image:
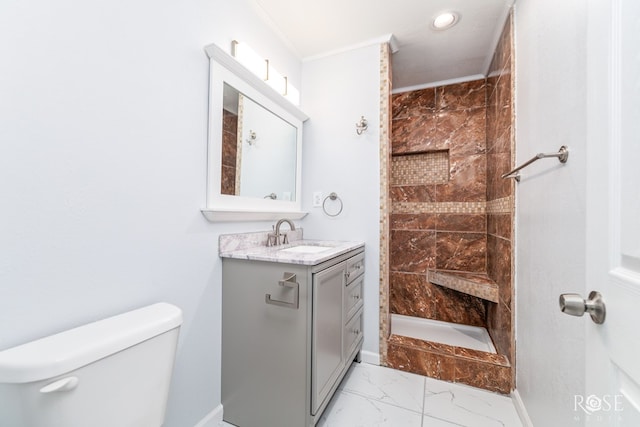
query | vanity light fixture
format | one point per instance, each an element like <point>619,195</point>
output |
<point>362,125</point>
<point>262,68</point>
<point>277,81</point>
<point>250,59</point>
<point>293,95</point>
<point>445,20</point>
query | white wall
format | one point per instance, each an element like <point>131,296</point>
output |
<point>103,124</point>
<point>550,238</point>
<point>336,91</point>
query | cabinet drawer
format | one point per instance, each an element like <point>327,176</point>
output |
<point>352,335</point>
<point>353,297</point>
<point>355,267</point>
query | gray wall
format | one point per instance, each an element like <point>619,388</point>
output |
<point>103,125</point>
<point>550,213</point>
<point>336,91</point>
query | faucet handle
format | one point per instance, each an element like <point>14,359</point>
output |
<point>285,238</point>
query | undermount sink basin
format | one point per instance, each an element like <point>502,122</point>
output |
<point>305,249</point>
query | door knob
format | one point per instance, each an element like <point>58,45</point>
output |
<point>574,305</point>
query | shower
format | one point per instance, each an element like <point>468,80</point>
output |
<point>450,230</point>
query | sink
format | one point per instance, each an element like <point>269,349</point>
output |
<point>305,249</point>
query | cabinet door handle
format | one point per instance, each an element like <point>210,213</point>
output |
<point>288,281</point>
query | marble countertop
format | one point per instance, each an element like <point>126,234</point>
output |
<point>252,246</point>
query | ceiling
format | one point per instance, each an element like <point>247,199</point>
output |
<point>424,56</point>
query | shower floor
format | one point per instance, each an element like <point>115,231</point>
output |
<point>473,337</point>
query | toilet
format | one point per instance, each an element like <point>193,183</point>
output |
<point>110,373</point>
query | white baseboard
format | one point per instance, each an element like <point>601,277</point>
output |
<point>213,418</point>
<point>522,411</point>
<point>370,357</point>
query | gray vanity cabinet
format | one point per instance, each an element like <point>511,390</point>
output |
<point>289,334</point>
<point>328,358</point>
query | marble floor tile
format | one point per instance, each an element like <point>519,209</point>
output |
<point>353,410</point>
<point>398,388</point>
<point>375,396</point>
<point>435,422</point>
<point>467,406</point>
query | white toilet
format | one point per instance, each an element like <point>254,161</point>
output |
<point>111,373</point>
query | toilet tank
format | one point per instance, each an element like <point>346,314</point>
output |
<point>110,373</point>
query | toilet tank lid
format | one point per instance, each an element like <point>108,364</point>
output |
<point>63,352</point>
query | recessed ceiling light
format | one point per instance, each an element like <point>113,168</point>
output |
<point>445,20</point>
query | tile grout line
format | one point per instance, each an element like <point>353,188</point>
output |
<point>424,400</point>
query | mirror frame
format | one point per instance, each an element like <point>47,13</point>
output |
<point>223,68</point>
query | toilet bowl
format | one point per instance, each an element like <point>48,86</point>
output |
<point>110,373</point>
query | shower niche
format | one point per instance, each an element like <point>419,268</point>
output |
<point>450,229</point>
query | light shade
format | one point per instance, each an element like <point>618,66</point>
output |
<point>293,95</point>
<point>445,20</point>
<point>250,59</point>
<point>263,69</point>
<point>277,81</point>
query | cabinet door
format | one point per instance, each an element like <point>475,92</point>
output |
<point>264,346</point>
<point>327,361</point>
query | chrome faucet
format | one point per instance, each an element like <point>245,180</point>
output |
<point>273,239</point>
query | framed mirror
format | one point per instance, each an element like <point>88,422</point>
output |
<point>254,146</point>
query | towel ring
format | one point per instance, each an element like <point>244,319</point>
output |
<point>332,196</point>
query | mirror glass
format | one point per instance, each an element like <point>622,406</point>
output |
<point>258,157</point>
<point>254,146</point>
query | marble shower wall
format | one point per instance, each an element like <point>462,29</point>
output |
<point>229,152</point>
<point>461,221</point>
<point>449,210</point>
<point>500,193</point>
<point>438,198</point>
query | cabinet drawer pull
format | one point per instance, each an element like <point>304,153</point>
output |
<point>288,281</point>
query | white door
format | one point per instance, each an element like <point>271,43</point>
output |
<point>612,395</point>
